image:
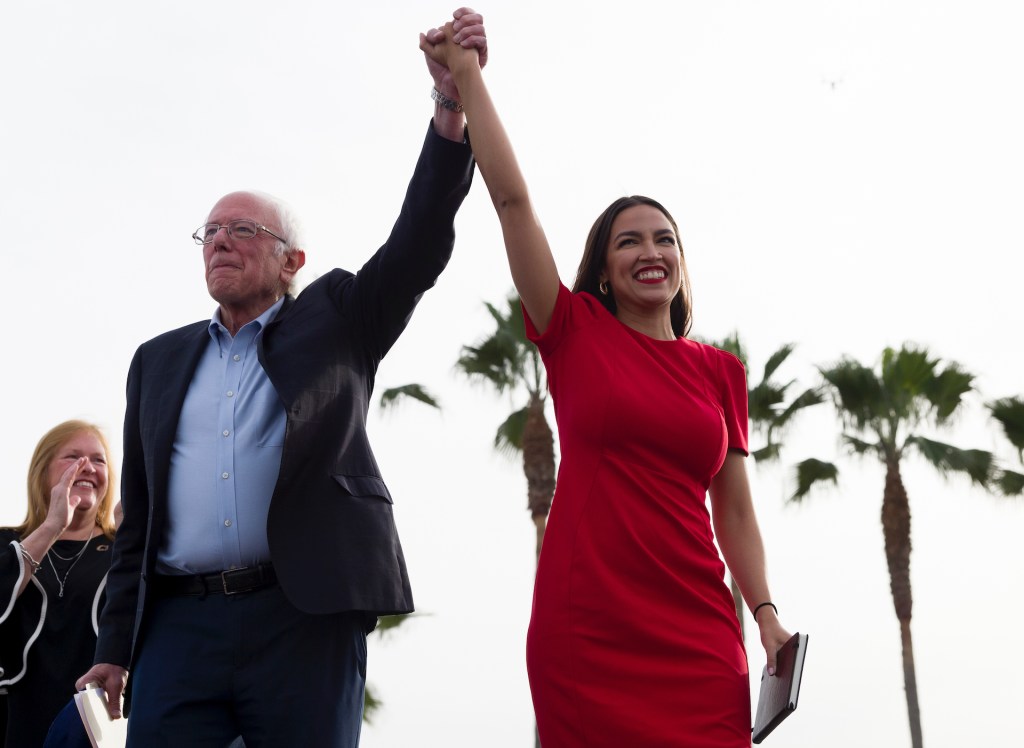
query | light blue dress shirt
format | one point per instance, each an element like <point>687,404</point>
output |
<point>225,458</point>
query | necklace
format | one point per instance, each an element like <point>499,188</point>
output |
<point>72,559</point>
<point>73,556</point>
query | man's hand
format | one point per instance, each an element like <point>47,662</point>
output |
<point>112,679</point>
<point>467,28</point>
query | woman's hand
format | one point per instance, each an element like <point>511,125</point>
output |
<point>62,503</point>
<point>461,40</point>
<point>773,636</point>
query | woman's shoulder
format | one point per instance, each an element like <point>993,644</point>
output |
<point>722,358</point>
<point>721,366</point>
<point>572,310</point>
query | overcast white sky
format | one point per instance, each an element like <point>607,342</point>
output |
<point>846,176</point>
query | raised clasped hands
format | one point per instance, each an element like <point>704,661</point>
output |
<point>464,32</point>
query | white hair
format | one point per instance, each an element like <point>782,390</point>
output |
<point>287,221</point>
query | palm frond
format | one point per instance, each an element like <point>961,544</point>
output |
<point>907,371</point>
<point>810,473</point>
<point>494,360</point>
<point>1009,412</point>
<point>768,453</point>
<point>776,360</point>
<point>946,391</point>
<point>806,399</point>
<point>861,447</point>
<point>763,401</point>
<point>386,625</point>
<point>1009,483</point>
<point>856,392</point>
<point>389,398</point>
<point>371,704</point>
<point>977,464</point>
<point>504,357</point>
<point>508,439</point>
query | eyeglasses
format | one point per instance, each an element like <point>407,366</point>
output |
<point>240,229</point>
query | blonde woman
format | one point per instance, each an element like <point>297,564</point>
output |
<point>52,573</point>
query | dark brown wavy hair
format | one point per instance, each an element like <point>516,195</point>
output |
<point>595,257</point>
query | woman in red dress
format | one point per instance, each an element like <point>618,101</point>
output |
<point>634,639</point>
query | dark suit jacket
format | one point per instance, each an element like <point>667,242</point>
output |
<point>331,531</point>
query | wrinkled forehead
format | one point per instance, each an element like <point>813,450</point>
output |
<point>242,205</point>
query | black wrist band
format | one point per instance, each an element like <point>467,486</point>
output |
<point>754,613</point>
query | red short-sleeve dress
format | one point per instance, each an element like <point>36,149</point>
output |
<point>634,640</point>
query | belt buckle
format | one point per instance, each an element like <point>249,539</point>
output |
<point>224,581</point>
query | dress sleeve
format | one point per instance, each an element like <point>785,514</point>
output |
<point>572,311</point>
<point>12,570</point>
<point>733,388</point>
<point>549,340</point>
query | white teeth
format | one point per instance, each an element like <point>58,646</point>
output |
<point>88,484</point>
<point>651,275</point>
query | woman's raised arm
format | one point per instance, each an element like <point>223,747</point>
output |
<point>534,272</point>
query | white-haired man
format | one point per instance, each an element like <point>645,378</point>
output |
<point>258,544</point>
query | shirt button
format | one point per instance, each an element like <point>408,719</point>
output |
<point>227,523</point>
<point>225,476</point>
<point>225,432</point>
<point>231,393</point>
<point>236,357</point>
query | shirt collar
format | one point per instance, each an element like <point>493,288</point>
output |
<point>216,327</point>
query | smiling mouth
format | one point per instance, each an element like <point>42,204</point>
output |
<point>650,274</point>
<point>84,483</point>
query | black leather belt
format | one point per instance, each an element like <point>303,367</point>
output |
<point>229,582</point>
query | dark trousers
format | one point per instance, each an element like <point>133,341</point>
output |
<point>215,668</point>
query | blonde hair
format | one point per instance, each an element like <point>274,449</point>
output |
<point>38,477</point>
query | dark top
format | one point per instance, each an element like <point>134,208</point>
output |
<point>58,632</point>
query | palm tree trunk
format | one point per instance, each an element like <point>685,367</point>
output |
<point>896,530</point>
<point>910,679</point>
<point>538,465</point>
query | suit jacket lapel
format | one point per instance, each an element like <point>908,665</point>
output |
<point>174,365</point>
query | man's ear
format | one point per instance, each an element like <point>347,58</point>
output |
<point>294,259</point>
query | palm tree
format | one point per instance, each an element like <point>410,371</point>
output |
<point>390,398</point>
<point>507,361</point>
<point>882,414</point>
<point>1009,412</point>
<point>769,414</point>
<point>371,701</point>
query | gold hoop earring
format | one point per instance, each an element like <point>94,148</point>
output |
<point>603,287</point>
